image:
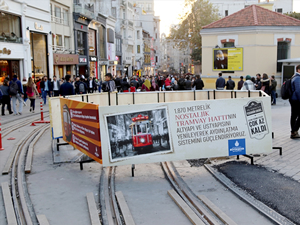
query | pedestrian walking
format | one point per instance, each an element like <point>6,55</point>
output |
<point>198,83</point>
<point>5,97</point>
<point>273,90</point>
<point>146,86</point>
<point>181,83</point>
<point>220,83</point>
<point>91,85</point>
<point>248,84</point>
<point>56,86</point>
<point>82,87</point>
<point>188,83</point>
<point>31,93</point>
<point>124,85</point>
<point>118,83</point>
<point>67,88</point>
<point>46,88</point>
<point>16,93</point>
<point>230,84</point>
<point>258,82</point>
<point>240,83</point>
<point>109,84</point>
<point>265,84</point>
<point>295,104</point>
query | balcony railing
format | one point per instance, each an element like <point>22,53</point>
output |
<point>59,20</point>
<point>80,9</point>
<point>6,38</point>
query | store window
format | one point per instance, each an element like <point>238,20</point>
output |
<point>102,42</point>
<point>92,42</point>
<point>81,40</point>
<point>9,68</point>
<point>58,40</point>
<point>10,28</point>
<point>67,42</point>
<point>66,17</point>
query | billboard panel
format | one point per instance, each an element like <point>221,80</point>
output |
<point>228,59</point>
<point>80,127</point>
<point>185,130</point>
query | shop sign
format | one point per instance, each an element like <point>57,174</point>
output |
<point>116,62</point>
<point>65,59</point>
<point>38,27</point>
<point>5,51</point>
<point>83,60</point>
<point>111,62</point>
<point>93,59</point>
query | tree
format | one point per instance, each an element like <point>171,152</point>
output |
<point>294,15</point>
<point>197,14</point>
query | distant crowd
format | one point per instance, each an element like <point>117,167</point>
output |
<point>13,91</point>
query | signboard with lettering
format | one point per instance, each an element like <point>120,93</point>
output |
<point>228,59</point>
<point>82,59</point>
<point>80,126</point>
<point>65,59</point>
<point>147,133</point>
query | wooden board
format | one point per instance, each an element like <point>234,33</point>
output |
<point>124,208</point>
<point>42,220</point>
<point>93,211</point>
<point>8,204</point>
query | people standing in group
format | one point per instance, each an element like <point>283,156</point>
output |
<point>295,104</point>
<point>188,83</point>
<point>46,88</point>
<point>181,83</point>
<point>240,83</point>
<point>198,83</point>
<point>125,85</point>
<point>273,90</point>
<point>146,86</point>
<point>5,97</point>
<point>67,88</point>
<point>154,85</point>
<point>220,83</point>
<point>31,93</point>
<point>248,84</point>
<point>16,93</point>
<point>230,84</point>
<point>56,86</point>
<point>258,82</point>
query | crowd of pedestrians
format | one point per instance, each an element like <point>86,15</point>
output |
<point>13,91</point>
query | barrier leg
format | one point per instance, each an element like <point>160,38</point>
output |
<point>1,148</point>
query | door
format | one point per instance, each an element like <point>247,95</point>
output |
<point>288,72</point>
<point>61,71</point>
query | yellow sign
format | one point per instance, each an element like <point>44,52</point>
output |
<point>228,59</point>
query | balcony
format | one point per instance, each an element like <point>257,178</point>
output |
<point>80,9</point>
<point>59,20</point>
<point>11,39</point>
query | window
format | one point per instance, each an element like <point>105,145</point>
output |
<point>138,49</point>
<point>66,17</point>
<point>81,40</point>
<point>110,36</point>
<point>226,12</point>
<point>10,28</point>
<point>124,33</point>
<point>57,12</point>
<point>138,34</point>
<point>279,10</point>
<point>124,15</point>
<point>282,53</point>
<point>114,12</point>
<point>67,42</point>
<point>102,45</point>
<point>51,13</point>
<point>228,44</point>
<point>58,40</point>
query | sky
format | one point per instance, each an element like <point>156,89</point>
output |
<point>168,10</point>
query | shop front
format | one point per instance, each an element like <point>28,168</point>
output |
<point>64,64</point>
<point>83,66</point>
<point>94,66</point>
<point>103,69</point>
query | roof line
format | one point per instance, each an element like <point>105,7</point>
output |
<point>254,15</point>
<point>286,16</point>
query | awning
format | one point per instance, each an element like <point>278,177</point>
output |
<point>294,60</point>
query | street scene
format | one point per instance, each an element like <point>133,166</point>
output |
<point>168,112</point>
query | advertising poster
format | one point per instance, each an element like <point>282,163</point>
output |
<point>185,130</point>
<point>228,59</point>
<point>138,133</point>
<point>80,126</point>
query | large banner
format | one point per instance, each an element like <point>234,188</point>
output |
<point>133,134</point>
<point>228,59</point>
<point>80,126</point>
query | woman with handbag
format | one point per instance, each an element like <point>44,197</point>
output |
<point>31,93</point>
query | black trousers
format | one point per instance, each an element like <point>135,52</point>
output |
<point>56,93</point>
<point>295,115</point>
<point>6,101</point>
<point>32,103</point>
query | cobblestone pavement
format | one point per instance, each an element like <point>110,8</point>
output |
<point>289,163</point>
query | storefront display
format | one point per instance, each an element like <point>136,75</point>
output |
<point>8,68</point>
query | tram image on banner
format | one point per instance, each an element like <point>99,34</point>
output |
<point>138,133</point>
<point>67,123</point>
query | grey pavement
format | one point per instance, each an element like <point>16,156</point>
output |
<point>288,163</point>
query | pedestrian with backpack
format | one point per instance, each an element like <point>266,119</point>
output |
<point>16,93</point>
<point>82,87</point>
<point>5,97</point>
<point>31,92</point>
<point>295,104</point>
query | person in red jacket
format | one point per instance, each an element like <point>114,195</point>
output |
<point>168,83</point>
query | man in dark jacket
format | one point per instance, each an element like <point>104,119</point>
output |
<point>241,83</point>
<point>198,83</point>
<point>46,87</point>
<point>188,83</point>
<point>56,86</point>
<point>118,82</point>
<point>273,90</point>
<point>67,88</point>
<point>109,84</point>
<point>181,83</point>
<point>230,84</point>
<point>295,104</point>
<point>258,82</point>
<point>18,95</point>
<point>220,83</point>
<point>82,87</point>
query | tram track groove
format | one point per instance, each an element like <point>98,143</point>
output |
<point>23,209</point>
<point>198,207</point>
